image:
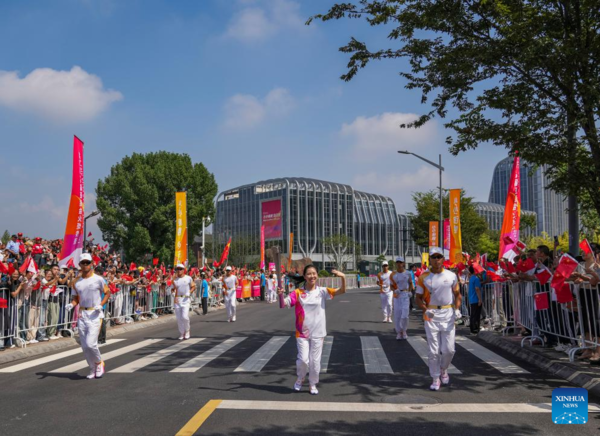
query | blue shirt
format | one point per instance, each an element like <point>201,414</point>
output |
<point>13,246</point>
<point>204,288</point>
<point>263,281</point>
<point>474,282</point>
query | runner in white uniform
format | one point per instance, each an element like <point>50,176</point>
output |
<point>183,286</point>
<point>309,303</point>
<point>438,295</point>
<point>230,282</point>
<point>87,292</point>
<point>403,287</point>
<point>385,292</point>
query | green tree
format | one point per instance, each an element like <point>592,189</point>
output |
<point>427,205</point>
<point>528,223</point>
<point>5,237</point>
<point>489,243</point>
<point>522,74</point>
<point>340,249</point>
<point>137,202</point>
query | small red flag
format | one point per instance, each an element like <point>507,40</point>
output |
<point>127,278</point>
<point>585,246</point>
<point>566,266</point>
<point>11,268</point>
<point>113,288</point>
<point>521,245</point>
<point>526,265</point>
<point>510,268</point>
<point>564,294</point>
<point>477,268</point>
<point>155,261</point>
<point>132,267</point>
<point>89,234</point>
<point>70,263</point>
<point>507,240</point>
<point>492,265</point>
<point>460,267</point>
<point>544,276</point>
<point>541,301</point>
<point>3,268</point>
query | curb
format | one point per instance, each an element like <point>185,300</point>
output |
<point>13,355</point>
<point>565,370</point>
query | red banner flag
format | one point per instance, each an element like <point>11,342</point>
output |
<point>224,254</point>
<point>541,301</point>
<point>512,213</point>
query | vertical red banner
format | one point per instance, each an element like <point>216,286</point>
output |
<point>271,219</point>
<point>512,213</point>
<point>262,247</point>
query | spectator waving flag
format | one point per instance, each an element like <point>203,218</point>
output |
<point>29,266</point>
<point>544,276</point>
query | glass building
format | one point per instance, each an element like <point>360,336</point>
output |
<point>313,210</point>
<point>494,214</point>
<point>550,207</point>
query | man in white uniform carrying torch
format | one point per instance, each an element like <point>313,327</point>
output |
<point>183,287</point>
<point>230,282</point>
<point>438,295</point>
<point>88,289</point>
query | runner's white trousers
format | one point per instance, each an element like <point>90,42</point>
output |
<point>309,358</point>
<point>386,303</point>
<point>88,325</point>
<point>401,311</point>
<point>440,337</point>
<point>182,313</point>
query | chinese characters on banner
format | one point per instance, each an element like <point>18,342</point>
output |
<point>262,247</point>
<point>456,255</point>
<point>271,219</point>
<point>512,214</point>
<point>181,240</point>
<point>446,238</point>
<point>290,251</point>
<point>434,234</point>
<point>74,235</point>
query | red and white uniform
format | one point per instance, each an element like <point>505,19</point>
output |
<point>310,329</point>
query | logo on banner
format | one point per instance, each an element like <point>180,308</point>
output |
<point>570,406</point>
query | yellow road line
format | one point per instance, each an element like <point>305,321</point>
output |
<point>198,419</point>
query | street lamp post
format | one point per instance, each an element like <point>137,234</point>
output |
<point>203,224</point>
<point>94,213</point>
<point>441,168</point>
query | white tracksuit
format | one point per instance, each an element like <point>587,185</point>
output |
<point>182,303</point>
<point>401,301</point>
<point>230,285</point>
<point>386,295</point>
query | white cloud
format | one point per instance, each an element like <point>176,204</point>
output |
<point>61,96</point>
<point>258,21</point>
<point>243,111</point>
<point>373,136</point>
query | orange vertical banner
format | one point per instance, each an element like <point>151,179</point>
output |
<point>456,255</point>
<point>434,234</point>
<point>181,248</point>
<point>289,267</point>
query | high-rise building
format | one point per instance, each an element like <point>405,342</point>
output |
<point>550,207</point>
<point>313,210</point>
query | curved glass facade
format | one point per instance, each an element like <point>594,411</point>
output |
<point>494,214</point>
<point>312,210</point>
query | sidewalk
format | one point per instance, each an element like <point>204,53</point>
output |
<point>580,373</point>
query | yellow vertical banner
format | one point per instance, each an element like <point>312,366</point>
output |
<point>181,248</point>
<point>289,267</point>
<point>424,260</point>
<point>434,234</point>
<point>455,235</point>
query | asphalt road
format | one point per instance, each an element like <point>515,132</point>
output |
<point>149,398</point>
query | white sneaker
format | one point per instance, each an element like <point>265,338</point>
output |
<point>187,335</point>
<point>314,390</point>
<point>53,337</point>
<point>435,386</point>
<point>233,319</point>
<point>390,320</point>
<point>384,320</point>
<point>91,375</point>
<point>399,336</point>
<point>33,341</point>
<point>298,385</point>
<point>100,369</point>
<point>229,320</point>
<point>445,378</point>
<point>560,347</point>
<point>180,338</point>
<point>404,335</point>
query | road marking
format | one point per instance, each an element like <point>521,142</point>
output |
<point>420,346</point>
<point>155,357</point>
<point>52,358</point>
<point>319,406</point>
<point>261,357</point>
<point>327,344</point>
<point>374,357</point>
<point>489,357</point>
<point>198,419</point>
<point>198,362</point>
<point>83,364</point>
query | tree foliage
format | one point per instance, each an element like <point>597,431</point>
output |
<point>5,237</point>
<point>523,74</point>
<point>427,205</point>
<point>340,249</point>
<point>137,202</point>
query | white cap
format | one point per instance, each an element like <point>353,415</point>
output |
<point>228,268</point>
<point>85,256</point>
<point>384,263</point>
<point>436,250</point>
<point>180,265</point>
<point>399,259</point>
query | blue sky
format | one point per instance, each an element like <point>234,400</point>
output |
<point>240,85</point>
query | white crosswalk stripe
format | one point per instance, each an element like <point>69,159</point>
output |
<point>489,357</point>
<point>420,346</point>
<point>155,357</point>
<point>374,357</point>
<point>326,354</point>
<point>83,364</point>
<point>260,358</point>
<point>52,358</point>
<point>200,361</point>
